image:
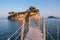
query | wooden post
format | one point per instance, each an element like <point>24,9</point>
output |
<point>51,32</point>
<point>39,23</point>
<point>22,35</point>
<point>8,39</point>
<point>57,32</point>
<point>29,22</point>
<point>42,24</point>
<point>44,29</point>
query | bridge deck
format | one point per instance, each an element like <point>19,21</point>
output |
<point>34,34</point>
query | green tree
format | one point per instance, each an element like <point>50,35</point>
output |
<point>33,9</point>
<point>12,13</point>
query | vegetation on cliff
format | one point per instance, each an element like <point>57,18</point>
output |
<point>13,15</point>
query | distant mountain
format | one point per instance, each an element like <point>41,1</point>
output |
<point>52,17</point>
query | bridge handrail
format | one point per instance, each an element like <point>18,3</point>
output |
<point>14,33</point>
<point>50,35</point>
<point>19,34</point>
<point>44,29</point>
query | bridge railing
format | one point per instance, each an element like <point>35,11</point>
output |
<point>46,32</point>
<point>18,33</point>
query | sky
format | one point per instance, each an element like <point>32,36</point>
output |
<point>46,7</point>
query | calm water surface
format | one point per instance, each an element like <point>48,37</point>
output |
<point>7,28</point>
<point>51,27</point>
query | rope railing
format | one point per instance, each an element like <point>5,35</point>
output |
<point>19,34</point>
<point>44,29</point>
<point>14,33</point>
<point>50,35</point>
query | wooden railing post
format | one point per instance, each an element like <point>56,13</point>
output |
<point>44,28</point>
<point>57,32</point>
<point>22,35</point>
<point>8,39</point>
<point>39,23</point>
<point>29,22</point>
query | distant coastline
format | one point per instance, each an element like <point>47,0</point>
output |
<point>52,17</point>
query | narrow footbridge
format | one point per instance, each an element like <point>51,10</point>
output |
<point>34,34</point>
<point>31,33</point>
<point>27,32</point>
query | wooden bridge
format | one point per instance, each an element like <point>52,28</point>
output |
<point>33,33</point>
<point>27,32</point>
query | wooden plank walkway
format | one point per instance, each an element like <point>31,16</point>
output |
<point>34,34</point>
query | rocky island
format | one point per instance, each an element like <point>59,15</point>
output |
<point>31,12</point>
<point>52,17</point>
